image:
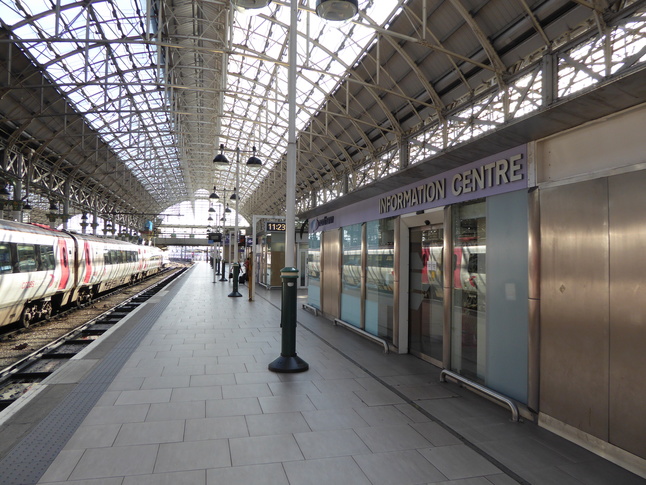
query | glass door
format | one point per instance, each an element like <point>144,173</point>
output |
<point>468,326</point>
<point>426,292</point>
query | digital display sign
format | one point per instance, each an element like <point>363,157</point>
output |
<point>275,227</point>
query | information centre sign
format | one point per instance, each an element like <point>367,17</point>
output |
<point>497,174</point>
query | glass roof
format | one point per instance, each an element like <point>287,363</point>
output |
<point>112,62</point>
<point>164,83</point>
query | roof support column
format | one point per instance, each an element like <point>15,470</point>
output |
<point>17,187</point>
<point>66,203</point>
<point>550,79</point>
<point>404,153</point>
<point>313,198</point>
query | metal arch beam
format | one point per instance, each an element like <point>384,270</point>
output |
<point>356,122</point>
<point>53,184</point>
<point>352,119</point>
<point>53,174</point>
<point>310,110</point>
<point>67,114</point>
<point>349,73</point>
<point>535,23</point>
<point>450,56</point>
<point>493,56</point>
<point>62,158</point>
<point>598,6</point>
<point>437,102</point>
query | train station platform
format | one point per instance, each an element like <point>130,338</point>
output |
<point>180,394</point>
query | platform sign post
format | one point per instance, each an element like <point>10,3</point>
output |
<point>288,362</point>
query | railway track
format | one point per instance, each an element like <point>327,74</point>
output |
<point>28,356</point>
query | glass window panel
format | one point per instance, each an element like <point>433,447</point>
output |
<point>26,258</point>
<point>426,292</point>
<point>380,276</point>
<point>351,275</point>
<point>314,270</point>
<point>47,260</point>
<point>508,284</point>
<point>5,259</point>
<point>468,327</point>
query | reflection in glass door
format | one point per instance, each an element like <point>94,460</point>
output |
<point>426,297</point>
<point>468,326</point>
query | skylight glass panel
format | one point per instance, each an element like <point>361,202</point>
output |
<point>322,67</point>
<point>85,72</point>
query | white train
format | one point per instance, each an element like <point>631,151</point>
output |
<point>43,270</point>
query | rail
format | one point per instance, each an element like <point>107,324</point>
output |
<point>312,309</point>
<point>485,390</point>
<point>363,333</point>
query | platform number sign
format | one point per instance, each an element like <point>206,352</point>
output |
<point>275,227</point>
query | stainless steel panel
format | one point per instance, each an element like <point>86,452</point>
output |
<point>534,295</point>
<point>628,312</point>
<point>574,305</point>
<point>331,280</point>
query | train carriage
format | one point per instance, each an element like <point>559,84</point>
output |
<point>43,269</point>
<point>36,273</point>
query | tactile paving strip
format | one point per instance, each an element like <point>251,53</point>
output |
<point>26,463</point>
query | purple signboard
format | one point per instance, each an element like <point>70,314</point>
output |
<point>497,174</point>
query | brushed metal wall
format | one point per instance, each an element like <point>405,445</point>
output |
<point>331,283</point>
<point>593,310</point>
<point>574,305</point>
<point>628,312</point>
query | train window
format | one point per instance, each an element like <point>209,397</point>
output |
<point>26,258</point>
<point>5,259</point>
<point>477,263</point>
<point>47,260</point>
<point>106,257</point>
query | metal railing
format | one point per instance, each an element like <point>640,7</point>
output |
<point>363,333</point>
<point>484,390</point>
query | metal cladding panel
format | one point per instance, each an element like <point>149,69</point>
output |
<point>628,312</point>
<point>574,306</point>
<point>331,246</point>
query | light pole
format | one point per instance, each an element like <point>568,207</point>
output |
<point>253,162</point>
<point>288,361</point>
<point>222,222</point>
<point>329,10</point>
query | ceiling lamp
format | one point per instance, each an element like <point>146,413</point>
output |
<point>254,162</point>
<point>214,195</point>
<point>220,160</point>
<point>233,196</point>
<point>337,9</point>
<point>253,4</point>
